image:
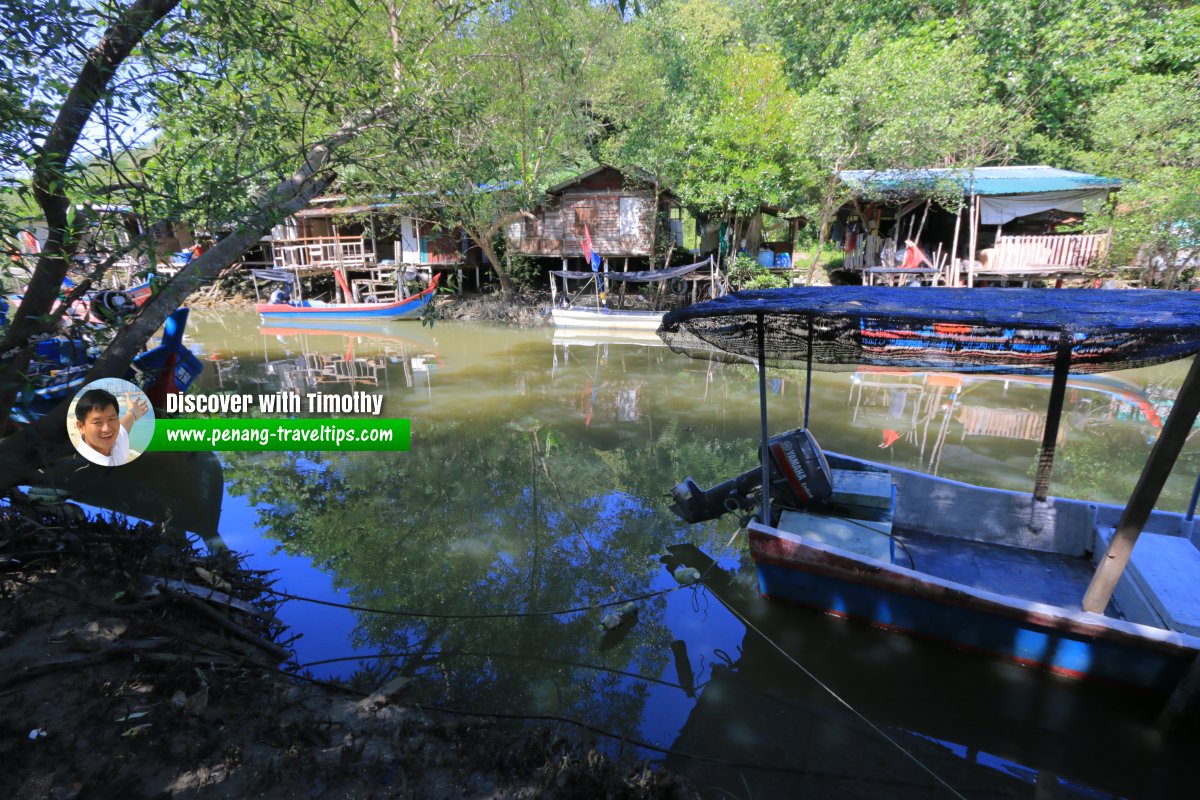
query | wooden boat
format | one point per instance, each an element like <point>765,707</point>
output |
<point>595,314</point>
<point>607,319</point>
<point>1015,729</point>
<point>60,367</point>
<point>314,312</point>
<point>1000,572</point>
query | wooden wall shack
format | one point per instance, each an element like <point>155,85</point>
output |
<point>617,209</point>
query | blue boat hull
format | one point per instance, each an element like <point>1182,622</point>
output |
<point>408,308</point>
<point>1068,643</point>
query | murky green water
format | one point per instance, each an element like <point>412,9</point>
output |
<point>536,482</point>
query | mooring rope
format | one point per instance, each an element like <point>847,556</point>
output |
<point>496,615</point>
<point>845,703</point>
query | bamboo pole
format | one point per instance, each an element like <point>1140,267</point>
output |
<point>954,271</point>
<point>765,453</point>
<point>604,286</point>
<point>621,291</point>
<point>1154,474</point>
<point>974,240</point>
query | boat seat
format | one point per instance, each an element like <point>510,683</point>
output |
<point>1166,569</point>
<point>871,538</point>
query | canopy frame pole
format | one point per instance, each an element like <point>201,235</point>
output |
<point>765,453</point>
<point>1191,511</point>
<point>580,293</point>
<point>808,372</point>
<point>953,272</point>
<point>1145,494</point>
<point>604,291</point>
<point>1058,392</point>
<point>973,240</point>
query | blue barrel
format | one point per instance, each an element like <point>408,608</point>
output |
<point>766,258</point>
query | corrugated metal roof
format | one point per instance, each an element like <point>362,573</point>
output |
<point>325,205</point>
<point>983,180</point>
<point>631,172</point>
<point>329,211</point>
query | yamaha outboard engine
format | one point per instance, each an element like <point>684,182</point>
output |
<point>799,476</point>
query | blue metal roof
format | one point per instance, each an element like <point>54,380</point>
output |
<point>983,180</point>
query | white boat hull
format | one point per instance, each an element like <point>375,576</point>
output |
<point>605,319</point>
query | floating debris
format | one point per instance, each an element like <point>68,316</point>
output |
<point>621,615</point>
<point>685,575</point>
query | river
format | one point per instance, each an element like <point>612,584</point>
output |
<point>536,483</point>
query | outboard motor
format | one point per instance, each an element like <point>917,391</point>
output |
<point>799,474</point>
<point>112,304</point>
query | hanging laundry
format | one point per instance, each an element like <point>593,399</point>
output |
<point>914,257</point>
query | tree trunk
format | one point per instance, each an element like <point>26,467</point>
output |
<point>822,239</point>
<point>21,453</point>
<point>489,252</point>
<point>484,237</point>
<point>89,88</point>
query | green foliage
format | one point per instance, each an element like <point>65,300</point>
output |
<point>714,119</point>
<point>746,273</point>
<point>1148,131</point>
<point>525,272</point>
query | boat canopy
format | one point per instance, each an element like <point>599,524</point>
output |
<point>1006,331</point>
<point>279,275</point>
<point>637,276</point>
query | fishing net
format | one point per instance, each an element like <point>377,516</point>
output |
<point>637,276</point>
<point>1006,331</point>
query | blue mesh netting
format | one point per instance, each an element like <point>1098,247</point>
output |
<point>638,275</point>
<point>1010,331</point>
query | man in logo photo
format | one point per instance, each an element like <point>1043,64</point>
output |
<point>105,436</point>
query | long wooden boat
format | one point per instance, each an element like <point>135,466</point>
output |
<point>313,312</point>
<point>607,319</point>
<point>1000,572</point>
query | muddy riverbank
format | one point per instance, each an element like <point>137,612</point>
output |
<point>526,309</point>
<point>136,666</point>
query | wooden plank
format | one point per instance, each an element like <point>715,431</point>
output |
<point>1167,568</point>
<point>868,538</point>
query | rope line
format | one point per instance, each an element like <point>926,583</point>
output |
<point>496,615</point>
<point>723,762</point>
<point>845,703</point>
<point>515,656</point>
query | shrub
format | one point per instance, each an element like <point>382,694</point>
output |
<point>746,273</point>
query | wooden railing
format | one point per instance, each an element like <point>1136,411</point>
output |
<point>321,252</point>
<point>1017,253</point>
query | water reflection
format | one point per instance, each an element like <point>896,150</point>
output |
<point>536,482</point>
<point>907,406</point>
<point>987,728</point>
